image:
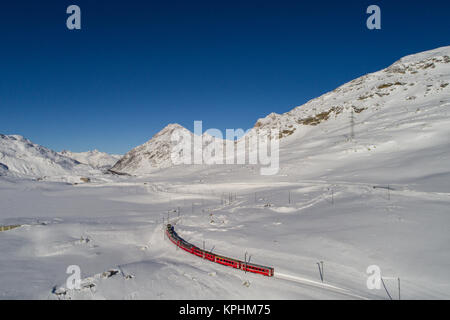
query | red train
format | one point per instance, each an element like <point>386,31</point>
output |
<point>186,246</point>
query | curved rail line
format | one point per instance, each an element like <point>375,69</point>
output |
<point>208,255</point>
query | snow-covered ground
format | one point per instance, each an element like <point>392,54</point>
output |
<point>281,222</point>
<point>367,183</point>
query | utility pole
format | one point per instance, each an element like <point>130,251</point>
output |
<point>321,262</point>
<point>382,281</point>
<point>320,265</point>
<point>245,262</point>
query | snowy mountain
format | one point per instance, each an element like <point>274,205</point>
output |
<point>20,156</point>
<point>410,81</point>
<point>155,153</point>
<point>411,92</point>
<point>95,158</point>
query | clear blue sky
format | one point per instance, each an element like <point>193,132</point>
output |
<point>136,66</point>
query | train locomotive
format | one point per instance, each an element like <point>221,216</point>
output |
<point>207,255</point>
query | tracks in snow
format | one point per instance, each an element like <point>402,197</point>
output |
<point>317,284</point>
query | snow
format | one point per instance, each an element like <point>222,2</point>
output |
<point>154,154</point>
<point>20,157</point>
<point>95,158</point>
<point>24,158</point>
<point>379,196</point>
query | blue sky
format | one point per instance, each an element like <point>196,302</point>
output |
<point>136,66</point>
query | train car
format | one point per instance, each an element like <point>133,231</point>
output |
<point>228,262</point>
<point>250,267</point>
<point>198,252</point>
<point>210,256</point>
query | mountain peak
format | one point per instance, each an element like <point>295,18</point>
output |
<point>155,153</point>
<point>169,129</point>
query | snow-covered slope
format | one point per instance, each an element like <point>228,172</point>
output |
<point>411,81</point>
<point>155,153</point>
<point>412,92</point>
<point>95,158</point>
<point>160,151</point>
<point>22,157</point>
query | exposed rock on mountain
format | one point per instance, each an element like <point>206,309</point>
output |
<point>3,169</point>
